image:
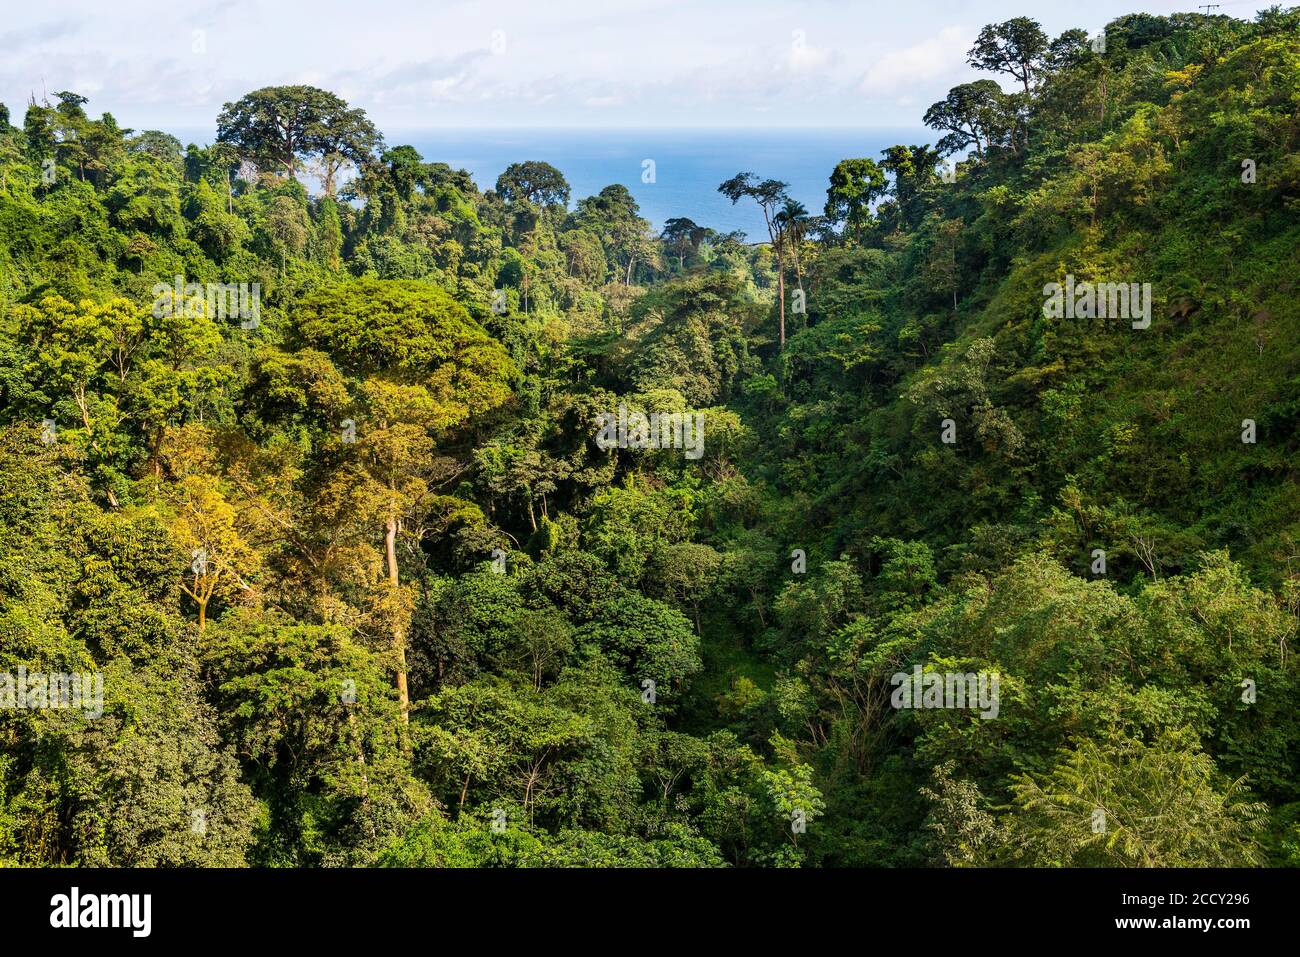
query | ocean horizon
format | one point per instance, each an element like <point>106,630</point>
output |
<point>688,163</point>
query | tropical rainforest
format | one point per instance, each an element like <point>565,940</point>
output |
<point>364,591</point>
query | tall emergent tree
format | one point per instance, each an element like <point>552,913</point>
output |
<point>539,183</point>
<point>1016,47</point>
<point>770,194</point>
<point>277,126</point>
<point>419,367</point>
<point>855,185</point>
<point>682,236</point>
<point>970,115</point>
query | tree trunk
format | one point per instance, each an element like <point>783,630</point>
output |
<point>399,644</point>
<point>780,292</point>
<point>775,237</point>
<point>322,595</point>
<point>287,159</point>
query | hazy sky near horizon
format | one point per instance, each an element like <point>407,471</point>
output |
<point>590,63</point>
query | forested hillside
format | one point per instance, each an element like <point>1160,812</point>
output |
<point>301,451</point>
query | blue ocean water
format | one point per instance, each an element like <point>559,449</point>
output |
<point>688,164</point>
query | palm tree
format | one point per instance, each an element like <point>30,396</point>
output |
<point>770,194</point>
<point>792,223</point>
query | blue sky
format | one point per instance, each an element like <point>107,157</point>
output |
<point>590,63</point>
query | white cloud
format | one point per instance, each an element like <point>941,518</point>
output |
<point>412,64</point>
<point>803,57</point>
<point>921,64</point>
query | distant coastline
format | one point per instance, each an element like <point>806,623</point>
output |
<point>689,162</point>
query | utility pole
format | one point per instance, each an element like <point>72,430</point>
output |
<point>1207,7</point>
